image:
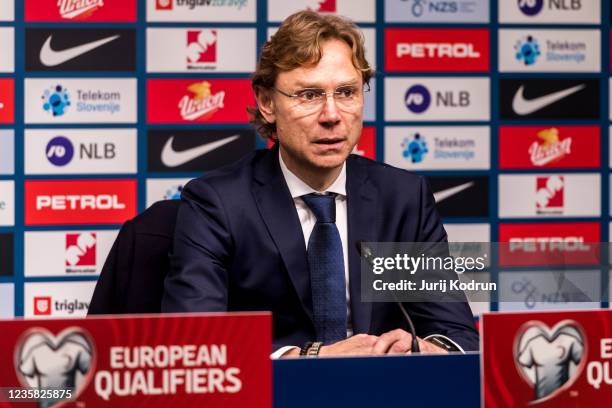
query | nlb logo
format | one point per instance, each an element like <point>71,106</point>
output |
<point>418,99</point>
<point>549,194</point>
<point>202,102</point>
<point>65,361</point>
<point>78,9</point>
<point>532,8</point>
<point>549,359</point>
<point>59,151</point>
<point>551,149</point>
<point>81,251</point>
<point>79,202</point>
<point>201,48</point>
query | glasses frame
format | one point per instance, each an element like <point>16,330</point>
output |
<point>364,89</point>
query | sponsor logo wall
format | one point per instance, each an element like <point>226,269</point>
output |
<point>109,106</point>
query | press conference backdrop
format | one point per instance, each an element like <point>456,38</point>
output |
<point>107,106</point>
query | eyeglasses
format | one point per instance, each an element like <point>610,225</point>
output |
<point>347,97</point>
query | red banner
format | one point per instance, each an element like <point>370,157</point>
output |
<point>78,11</point>
<point>554,359</point>
<point>549,147</point>
<point>533,244</point>
<point>79,202</point>
<point>198,101</point>
<point>436,50</point>
<point>122,361</point>
<point>7,100</point>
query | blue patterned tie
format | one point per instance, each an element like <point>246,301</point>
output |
<point>326,263</point>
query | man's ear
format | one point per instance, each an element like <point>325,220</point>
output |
<point>265,103</point>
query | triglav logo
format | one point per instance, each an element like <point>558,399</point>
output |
<point>201,103</point>
<point>550,360</point>
<point>81,251</point>
<point>201,48</point>
<point>417,99</point>
<point>530,7</point>
<point>552,148</point>
<point>59,151</point>
<point>527,50</point>
<point>415,149</point>
<point>56,100</point>
<point>168,5</point>
<point>163,4</point>
<point>549,194</point>
<point>77,9</point>
<point>42,305</point>
<point>64,362</point>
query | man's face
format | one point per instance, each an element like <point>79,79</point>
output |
<point>315,138</point>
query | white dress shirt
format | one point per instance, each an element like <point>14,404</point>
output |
<point>298,188</point>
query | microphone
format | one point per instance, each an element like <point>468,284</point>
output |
<point>367,254</point>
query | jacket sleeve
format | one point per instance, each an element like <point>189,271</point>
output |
<point>451,319</point>
<point>109,294</point>
<point>198,277</point>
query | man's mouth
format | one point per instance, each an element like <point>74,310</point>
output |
<point>330,141</point>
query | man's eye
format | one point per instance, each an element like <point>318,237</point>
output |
<point>308,95</point>
<point>346,92</point>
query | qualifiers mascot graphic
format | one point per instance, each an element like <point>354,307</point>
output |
<point>550,360</point>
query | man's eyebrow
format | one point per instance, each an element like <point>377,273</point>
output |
<point>307,85</point>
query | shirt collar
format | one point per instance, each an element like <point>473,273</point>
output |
<point>298,188</point>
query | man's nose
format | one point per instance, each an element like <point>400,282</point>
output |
<point>330,112</point>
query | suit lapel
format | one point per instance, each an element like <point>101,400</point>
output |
<point>362,206</point>
<point>278,211</point>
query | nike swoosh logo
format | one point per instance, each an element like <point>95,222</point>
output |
<point>523,106</point>
<point>449,192</point>
<point>172,158</point>
<point>50,57</point>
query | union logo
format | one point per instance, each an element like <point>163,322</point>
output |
<point>201,103</point>
<point>78,9</point>
<point>551,149</point>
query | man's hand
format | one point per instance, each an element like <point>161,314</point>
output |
<point>358,345</point>
<point>399,341</point>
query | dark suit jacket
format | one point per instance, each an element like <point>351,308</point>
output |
<point>239,246</point>
<point>132,279</point>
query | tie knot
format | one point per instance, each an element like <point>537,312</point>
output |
<point>323,206</point>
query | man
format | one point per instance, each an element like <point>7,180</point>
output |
<point>279,230</point>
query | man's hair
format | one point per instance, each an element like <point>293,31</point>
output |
<point>298,43</point>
